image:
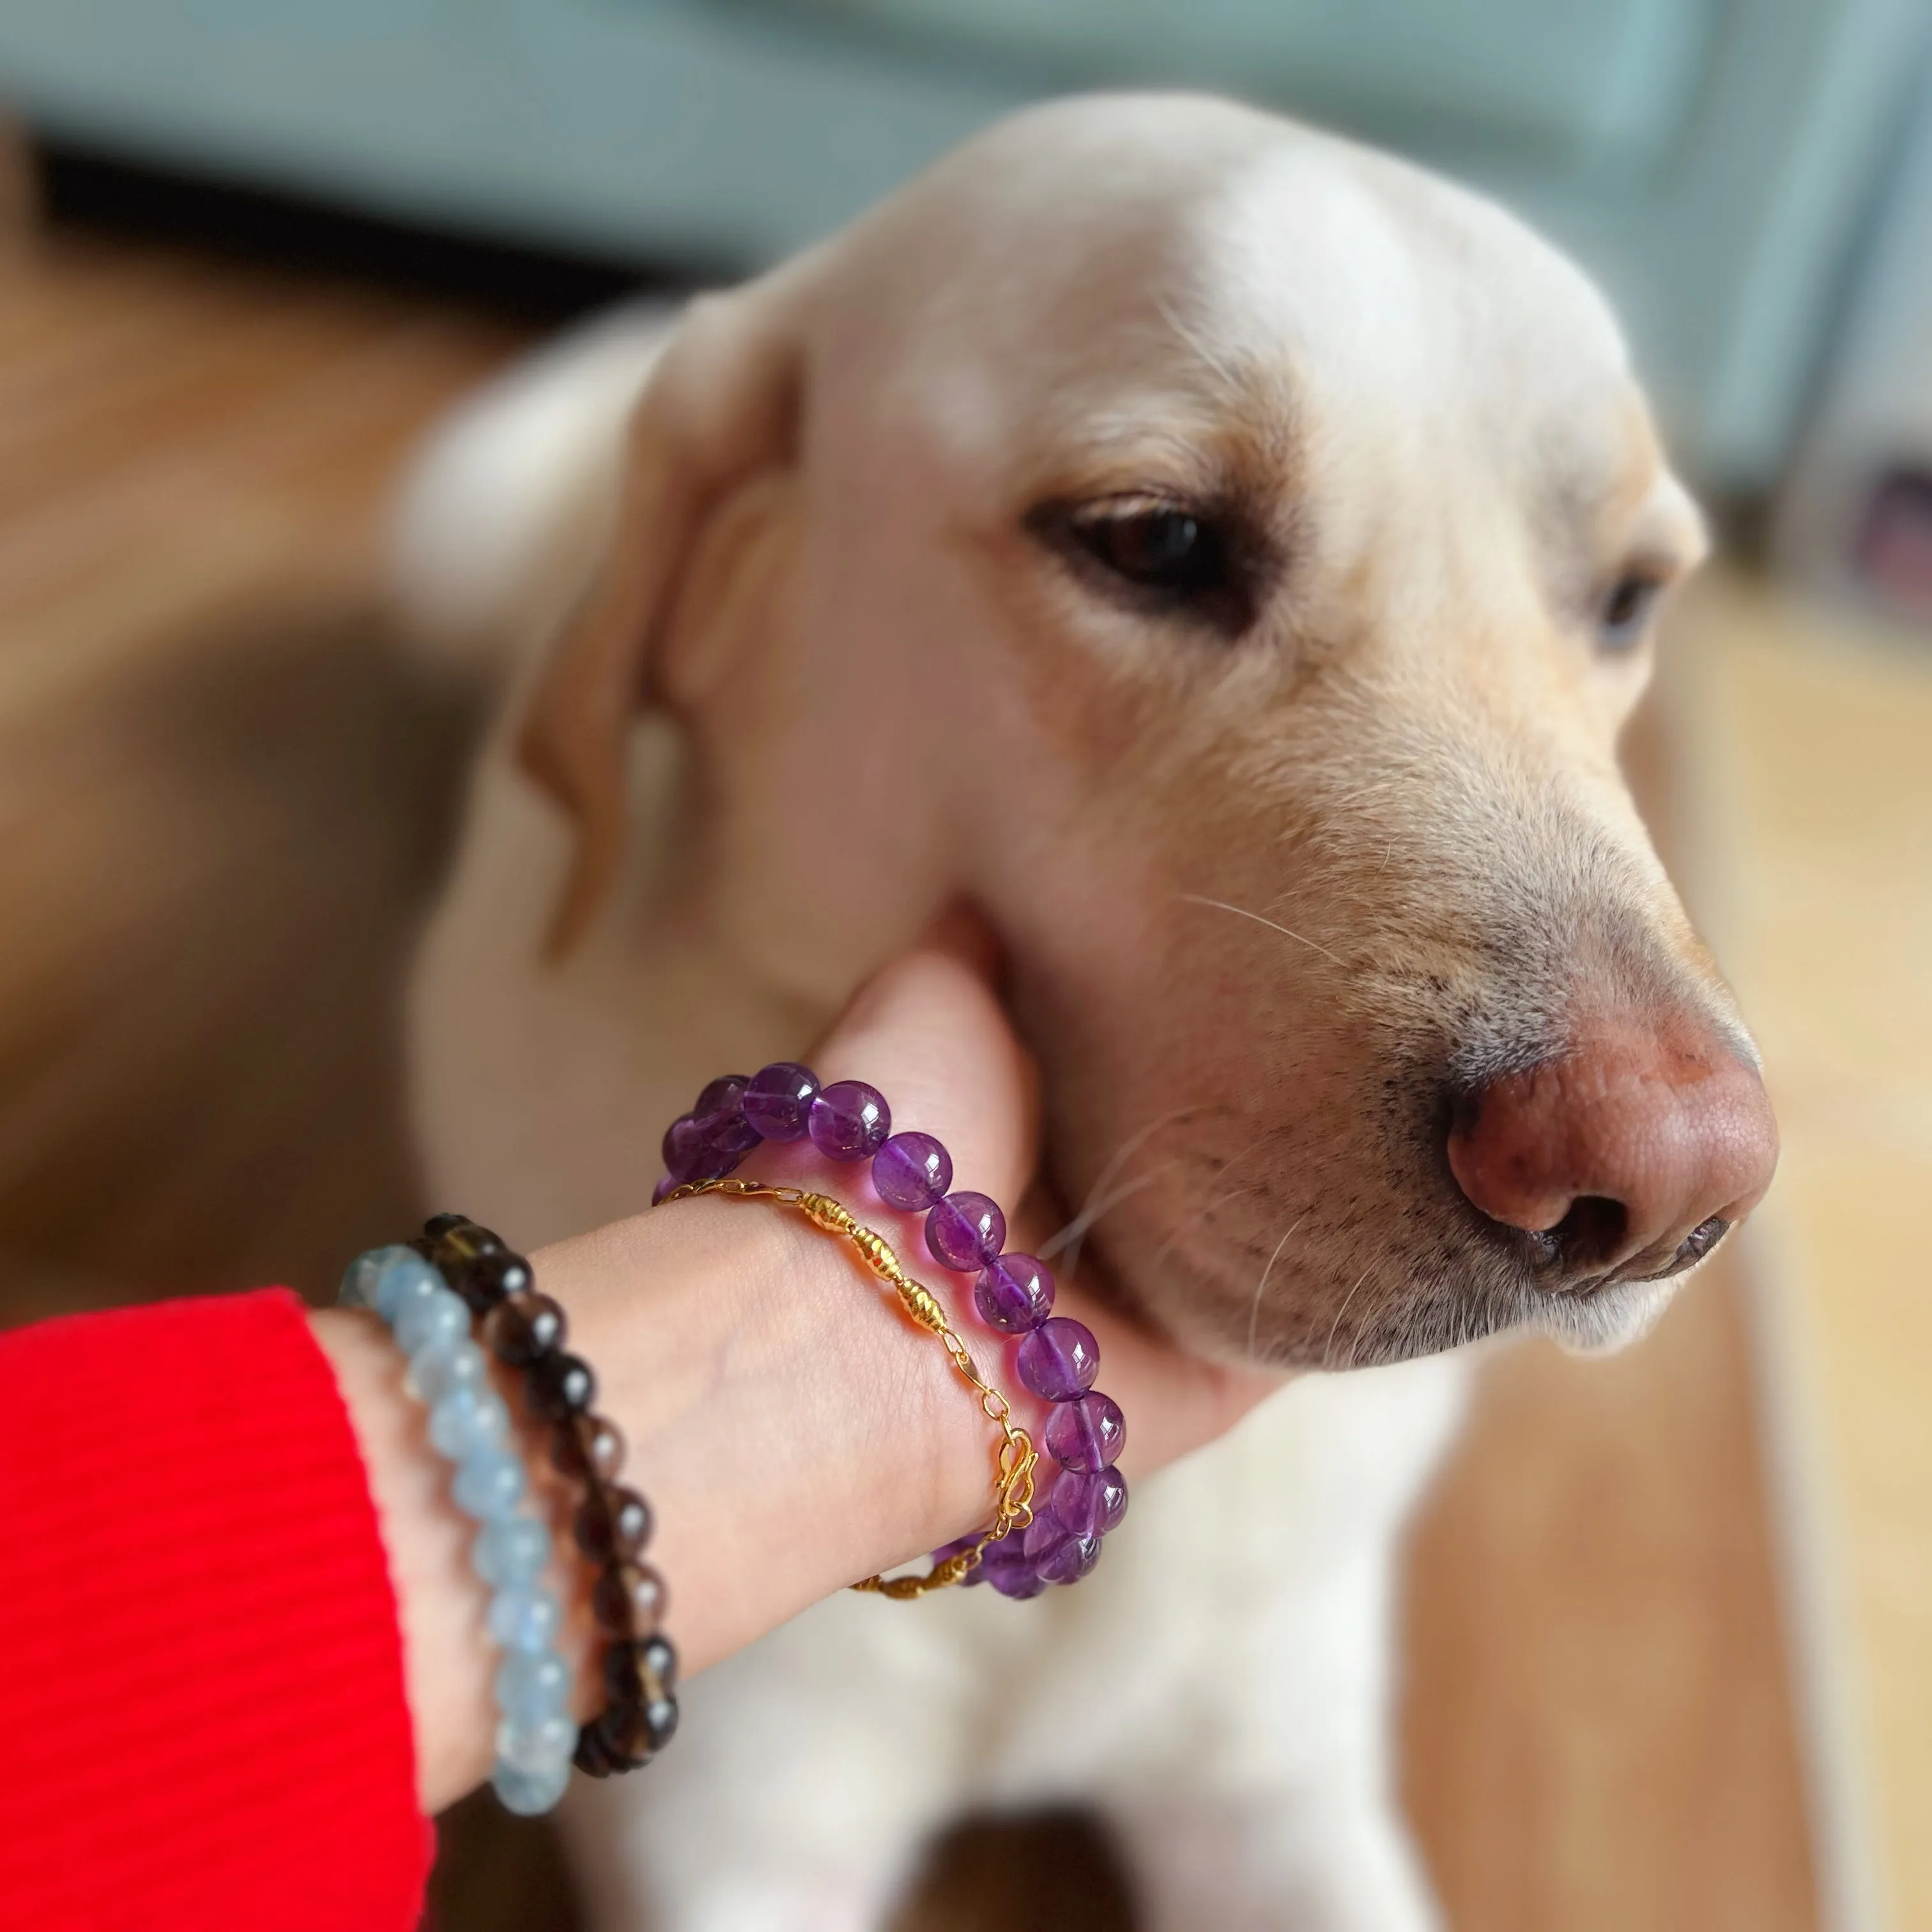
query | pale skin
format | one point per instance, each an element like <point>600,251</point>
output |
<point>792,1429</point>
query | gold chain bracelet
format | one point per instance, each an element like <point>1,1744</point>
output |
<point>1012,1480</point>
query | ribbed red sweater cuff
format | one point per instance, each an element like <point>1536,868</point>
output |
<point>202,1721</point>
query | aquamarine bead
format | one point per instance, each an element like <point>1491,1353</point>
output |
<point>524,1617</point>
<point>468,1421</point>
<point>427,1321</point>
<point>401,1276</point>
<point>489,1483</point>
<point>537,1745</point>
<point>358,1278</point>
<point>530,1793</point>
<point>511,1549</point>
<point>531,1687</point>
<point>440,1367</point>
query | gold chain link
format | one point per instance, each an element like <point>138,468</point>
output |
<point>1012,1480</point>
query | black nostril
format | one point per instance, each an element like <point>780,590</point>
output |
<point>1694,1246</point>
<point>1590,1236</point>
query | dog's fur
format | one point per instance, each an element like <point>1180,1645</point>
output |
<point>1280,869</point>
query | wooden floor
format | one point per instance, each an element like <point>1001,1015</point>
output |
<point>224,800</point>
<point>1825,809</point>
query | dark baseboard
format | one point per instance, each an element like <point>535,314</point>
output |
<point>83,186</point>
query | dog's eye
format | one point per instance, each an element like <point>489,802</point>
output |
<point>1162,551</point>
<point>1625,613</point>
<point>1159,545</point>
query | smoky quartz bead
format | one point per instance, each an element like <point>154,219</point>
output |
<point>640,1672</point>
<point>526,1327</point>
<point>628,1599</point>
<point>633,1734</point>
<point>587,1447</point>
<point>561,1385</point>
<point>612,1525</point>
<point>590,1757</point>
<point>489,1278</point>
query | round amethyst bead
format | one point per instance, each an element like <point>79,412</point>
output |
<point>1087,1433</point>
<point>1059,1359</point>
<point>1043,1535</point>
<point>1014,1294</point>
<point>720,1117</point>
<point>1087,1505</point>
<point>850,1120</point>
<point>683,1148</point>
<point>721,1096</point>
<point>695,1150</point>
<point>912,1171</point>
<point>1070,1561</point>
<point>1007,1566</point>
<point>965,1231</point>
<point>777,1099</point>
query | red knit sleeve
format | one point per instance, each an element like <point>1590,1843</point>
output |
<point>202,1713</point>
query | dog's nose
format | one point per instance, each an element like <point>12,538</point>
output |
<point>1628,1156</point>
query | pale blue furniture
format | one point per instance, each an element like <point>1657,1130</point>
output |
<point>1712,160</point>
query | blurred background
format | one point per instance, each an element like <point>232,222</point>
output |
<point>1668,1633</point>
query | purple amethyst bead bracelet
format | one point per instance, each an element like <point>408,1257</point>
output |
<point>1057,1356</point>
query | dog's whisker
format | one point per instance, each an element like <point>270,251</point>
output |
<point>1333,1326</point>
<point>1072,1230</point>
<point>1273,925</point>
<point>1260,1286</point>
<point>1180,1227</point>
<point>1132,1145</point>
<point>1075,1231</point>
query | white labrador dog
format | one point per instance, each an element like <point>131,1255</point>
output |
<point>1226,556</point>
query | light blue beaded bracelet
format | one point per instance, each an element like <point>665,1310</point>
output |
<point>470,1425</point>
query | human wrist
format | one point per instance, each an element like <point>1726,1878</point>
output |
<point>793,1434</point>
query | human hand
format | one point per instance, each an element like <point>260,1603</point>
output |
<point>793,1430</point>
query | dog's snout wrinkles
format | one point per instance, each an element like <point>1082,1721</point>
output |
<point>1628,1157</point>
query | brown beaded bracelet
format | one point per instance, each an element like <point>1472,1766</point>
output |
<point>525,1330</point>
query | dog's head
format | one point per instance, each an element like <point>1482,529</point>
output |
<point>1227,556</point>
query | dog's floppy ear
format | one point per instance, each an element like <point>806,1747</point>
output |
<point>720,406</point>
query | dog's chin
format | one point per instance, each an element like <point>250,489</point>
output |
<point>1608,1319</point>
